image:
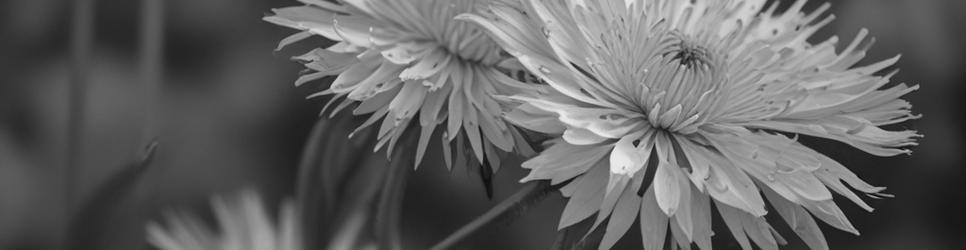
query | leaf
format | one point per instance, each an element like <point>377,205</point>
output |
<point>89,223</point>
<point>328,164</point>
<point>391,197</point>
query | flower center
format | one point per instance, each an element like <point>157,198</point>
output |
<point>682,85</point>
<point>463,39</point>
<point>472,45</point>
<point>689,54</point>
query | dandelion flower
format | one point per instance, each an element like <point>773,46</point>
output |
<point>244,225</point>
<point>409,62</point>
<point>666,107</point>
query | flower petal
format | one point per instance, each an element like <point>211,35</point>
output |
<point>580,136</point>
<point>623,216</point>
<point>654,222</point>
<point>626,159</point>
<point>799,220</point>
<point>535,119</point>
<point>563,161</point>
<point>587,197</point>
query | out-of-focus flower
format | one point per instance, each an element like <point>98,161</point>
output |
<point>708,97</point>
<point>409,61</point>
<point>243,225</point>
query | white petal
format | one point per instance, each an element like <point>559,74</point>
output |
<point>626,159</point>
<point>701,213</point>
<point>666,188</point>
<point>563,161</point>
<point>587,197</point>
<point>654,222</point>
<point>535,119</point>
<point>799,220</point>
<point>427,66</point>
<point>580,136</point>
<point>623,217</point>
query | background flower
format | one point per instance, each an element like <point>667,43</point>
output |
<point>244,224</point>
<point>408,61</point>
<point>709,98</point>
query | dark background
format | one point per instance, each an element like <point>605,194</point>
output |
<point>232,119</point>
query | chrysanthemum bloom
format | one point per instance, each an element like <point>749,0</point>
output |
<point>243,223</point>
<point>664,103</point>
<point>409,61</point>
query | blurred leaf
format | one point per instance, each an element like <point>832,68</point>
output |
<point>393,191</point>
<point>89,222</point>
<point>330,161</point>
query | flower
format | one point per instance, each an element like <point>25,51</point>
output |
<point>664,103</point>
<point>243,222</point>
<point>399,58</point>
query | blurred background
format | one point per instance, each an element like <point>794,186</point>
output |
<point>230,118</point>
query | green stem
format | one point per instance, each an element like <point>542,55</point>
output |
<point>151,67</point>
<point>81,40</point>
<point>151,70</point>
<point>509,208</point>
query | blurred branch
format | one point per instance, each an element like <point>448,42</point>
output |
<point>80,40</point>
<point>508,209</point>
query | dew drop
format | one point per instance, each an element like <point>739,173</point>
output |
<point>771,177</point>
<point>544,70</point>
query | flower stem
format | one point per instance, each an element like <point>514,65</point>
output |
<point>81,40</point>
<point>509,208</point>
<point>151,70</point>
<point>151,67</point>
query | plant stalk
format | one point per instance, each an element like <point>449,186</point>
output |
<point>516,204</point>
<point>81,41</point>
<point>151,60</point>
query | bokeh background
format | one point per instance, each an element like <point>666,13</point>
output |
<point>230,118</point>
